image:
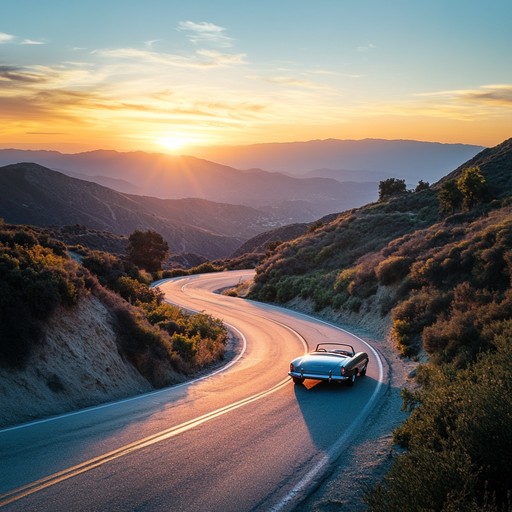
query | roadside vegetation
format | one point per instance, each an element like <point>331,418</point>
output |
<point>38,277</point>
<point>435,263</point>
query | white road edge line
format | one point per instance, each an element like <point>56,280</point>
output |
<point>83,467</point>
<point>137,397</point>
<point>336,449</point>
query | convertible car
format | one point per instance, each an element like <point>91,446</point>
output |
<point>331,362</point>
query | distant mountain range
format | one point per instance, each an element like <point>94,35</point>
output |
<point>315,178</point>
<point>286,198</point>
<point>32,194</point>
<point>192,201</point>
<point>348,160</point>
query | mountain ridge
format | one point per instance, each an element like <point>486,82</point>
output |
<point>32,194</point>
<point>176,177</point>
<point>400,158</point>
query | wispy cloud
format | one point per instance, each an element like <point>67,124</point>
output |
<point>366,47</point>
<point>6,38</point>
<point>31,41</point>
<point>495,94</point>
<point>467,105</point>
<point>16,75</point>
<point>204,32</point>
<point>201,59</point>
<point>10,38</point>
<point>151,43</point>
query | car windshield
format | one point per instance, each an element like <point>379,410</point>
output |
<point>334,348</point>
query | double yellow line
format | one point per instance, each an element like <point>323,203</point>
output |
<point>48,481</point>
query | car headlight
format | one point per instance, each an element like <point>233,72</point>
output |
<point>292,367</point>
<point>343,370</point>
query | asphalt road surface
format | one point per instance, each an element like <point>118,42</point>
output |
<point>244,438</point>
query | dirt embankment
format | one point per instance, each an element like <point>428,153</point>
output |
<point>76,365</point>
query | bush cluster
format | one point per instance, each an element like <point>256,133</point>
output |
<point>458,437</point>
<point>37,275</point>
<point>157,330</point>
<point>35,278</point>
<point>333,247</point>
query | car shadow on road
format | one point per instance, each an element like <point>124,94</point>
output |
<point>331,404</point>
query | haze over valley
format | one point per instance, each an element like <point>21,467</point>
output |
<point>273,198</point>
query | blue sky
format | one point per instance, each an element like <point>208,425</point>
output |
<point>166,74</point>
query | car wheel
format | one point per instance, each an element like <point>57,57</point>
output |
<point>297,380</point>
<point>363,371</point>
<point>351,380</point>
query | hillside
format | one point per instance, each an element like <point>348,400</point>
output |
<point>376,228</point>
<point>285,198</point>
<point>260,244</point>
<point>336,264</point>
<point>437,286</point>
<point>63,382</point>
<point>31,194</point>
<point>78,333</point>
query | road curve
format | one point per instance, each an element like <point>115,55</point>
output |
<point>242,439</point>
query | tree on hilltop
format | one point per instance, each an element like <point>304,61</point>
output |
<point>466,191</point>
<point>391,187</point>
<point>473,186</point>
<point>147,249</point>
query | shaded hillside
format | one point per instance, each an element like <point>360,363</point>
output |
<point>171,177</point>
<point>261,243</point>
<point>495,165</point>
<point>409,159</point>
<point>31,194</point>
<point>76,334</point>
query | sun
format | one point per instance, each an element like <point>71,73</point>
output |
<point>172,143</point>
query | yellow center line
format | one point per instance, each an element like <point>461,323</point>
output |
<point>83,467</point>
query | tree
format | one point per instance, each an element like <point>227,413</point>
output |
<point>147,250</point>
<point>450,197</point>
<point>422,185</point>
<point>472,186</point>
<point>391,187</point>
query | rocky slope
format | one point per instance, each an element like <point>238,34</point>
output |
<point>77,365</point>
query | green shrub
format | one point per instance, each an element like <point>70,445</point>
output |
<point>185,346</point>
<point>458,438</point>
<point>134,291</point>
<point>393,269</point>
<point>403,332</point>
<point>34,281</point>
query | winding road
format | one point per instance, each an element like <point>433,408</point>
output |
<point>244,438</point>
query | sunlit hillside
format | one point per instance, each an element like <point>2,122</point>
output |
<point>434,266</point>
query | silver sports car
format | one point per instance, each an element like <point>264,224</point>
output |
<point>331,362</point>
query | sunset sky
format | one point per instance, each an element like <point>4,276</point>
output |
<point>164,75</point>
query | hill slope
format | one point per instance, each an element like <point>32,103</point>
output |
<point>369,259</point>
<point>31,194</point>
<point>57,381</point>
